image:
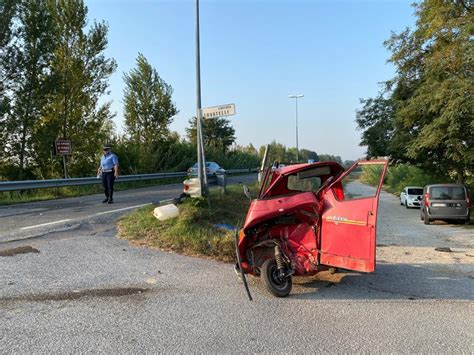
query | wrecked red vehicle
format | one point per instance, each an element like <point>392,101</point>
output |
<point>305,220</point>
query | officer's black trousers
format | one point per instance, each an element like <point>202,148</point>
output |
<point>108,179</point>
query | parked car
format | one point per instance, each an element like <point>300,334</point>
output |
<point>212,169</point>
<point>411,196</point>
<point>446,202</point>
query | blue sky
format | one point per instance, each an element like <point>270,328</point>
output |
<point>256,53</point>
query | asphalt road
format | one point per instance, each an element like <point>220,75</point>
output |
<point>81,289</point>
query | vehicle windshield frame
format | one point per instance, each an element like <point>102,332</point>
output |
<point>419,189</point>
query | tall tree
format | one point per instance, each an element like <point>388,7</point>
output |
<point>148,106</point>
<point>217,133</point>
<point>79,78</point>
<point>376,120</point>
<point>28,71</point>
<point>8,11</point>
<point>431,95</point>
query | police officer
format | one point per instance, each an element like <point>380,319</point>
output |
<point>108,169</point>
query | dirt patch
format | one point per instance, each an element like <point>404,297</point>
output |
<point>19,250</point>
<point>74,295</point>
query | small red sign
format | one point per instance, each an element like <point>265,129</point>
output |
<point>63,147</point>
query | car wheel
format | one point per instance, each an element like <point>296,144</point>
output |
<point>278,286</point>
<point>401,202</point>
<point>468,219</point>
<point>426,220</point>
<point>406,205</point>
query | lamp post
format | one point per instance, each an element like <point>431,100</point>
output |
<point>296,97</point>
<point>200,145</point>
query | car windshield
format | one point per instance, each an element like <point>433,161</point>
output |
<point>415,191</point>
<point>448,193</point>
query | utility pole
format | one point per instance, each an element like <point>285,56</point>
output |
<point>200,147</point>
<point>296,97</point>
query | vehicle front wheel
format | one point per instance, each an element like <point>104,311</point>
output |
<point>277,285</point>
<point>406,205</point>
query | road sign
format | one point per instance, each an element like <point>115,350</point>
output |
<point>63,147</point>
<point>218,111</point>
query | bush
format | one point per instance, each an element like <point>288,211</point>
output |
<point>400,176</point>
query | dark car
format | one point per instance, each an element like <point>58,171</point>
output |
<point>446,202</point>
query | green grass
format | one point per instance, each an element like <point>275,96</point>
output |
<point>12,197</point>
<point>193,232</point>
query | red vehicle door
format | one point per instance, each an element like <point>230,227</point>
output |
<point>349,220</point>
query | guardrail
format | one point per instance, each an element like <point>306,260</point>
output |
<point>54,183</point>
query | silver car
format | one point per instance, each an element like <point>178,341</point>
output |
<point>411,196</point>
<point>212,169</point>
<point>446,202</point>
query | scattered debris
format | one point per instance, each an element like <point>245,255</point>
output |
<point>444,249</point>
<point>151,281</point>
<point>163,213</point>
<point>18,250</point>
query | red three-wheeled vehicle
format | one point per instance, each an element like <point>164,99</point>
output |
<point>308,218</point>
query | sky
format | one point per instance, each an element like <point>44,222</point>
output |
<point>254,53</point>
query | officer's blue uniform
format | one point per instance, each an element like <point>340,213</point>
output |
<point>107,164</point>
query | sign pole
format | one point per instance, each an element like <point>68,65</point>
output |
<point>65,166</point>
<point>200,148</point>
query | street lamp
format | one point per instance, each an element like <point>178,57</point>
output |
<point>296,97</point>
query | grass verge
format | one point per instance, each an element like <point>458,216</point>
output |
<point>194,231</point>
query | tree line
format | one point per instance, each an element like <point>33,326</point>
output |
<point>54,82</point>
<point>424,116</point>
<point>54,78</point>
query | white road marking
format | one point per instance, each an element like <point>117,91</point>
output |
<point>122,209</point>
<point>46,224</point>
<point>97,214</point>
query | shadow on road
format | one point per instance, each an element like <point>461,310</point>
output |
<point>389,282</point>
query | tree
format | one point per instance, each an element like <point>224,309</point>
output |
<point>78,79</point>
<point>430,99</point>
<point>149,109</point>
<point>8,11</point>
<point>329,157</point>
<point>217,133</point>
<point>277,152</point>
<point>375,118</point>
<point>305,155</point>
<point>28,73</point>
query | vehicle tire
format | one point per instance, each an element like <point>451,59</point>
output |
<point>468,219</point>
<point>426,220</point>
<point>401,203</point>
<point>406,205</point>
<point>277,286</point>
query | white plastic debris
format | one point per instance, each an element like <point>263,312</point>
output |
<point>166,212</point>
<point>192,187</point>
